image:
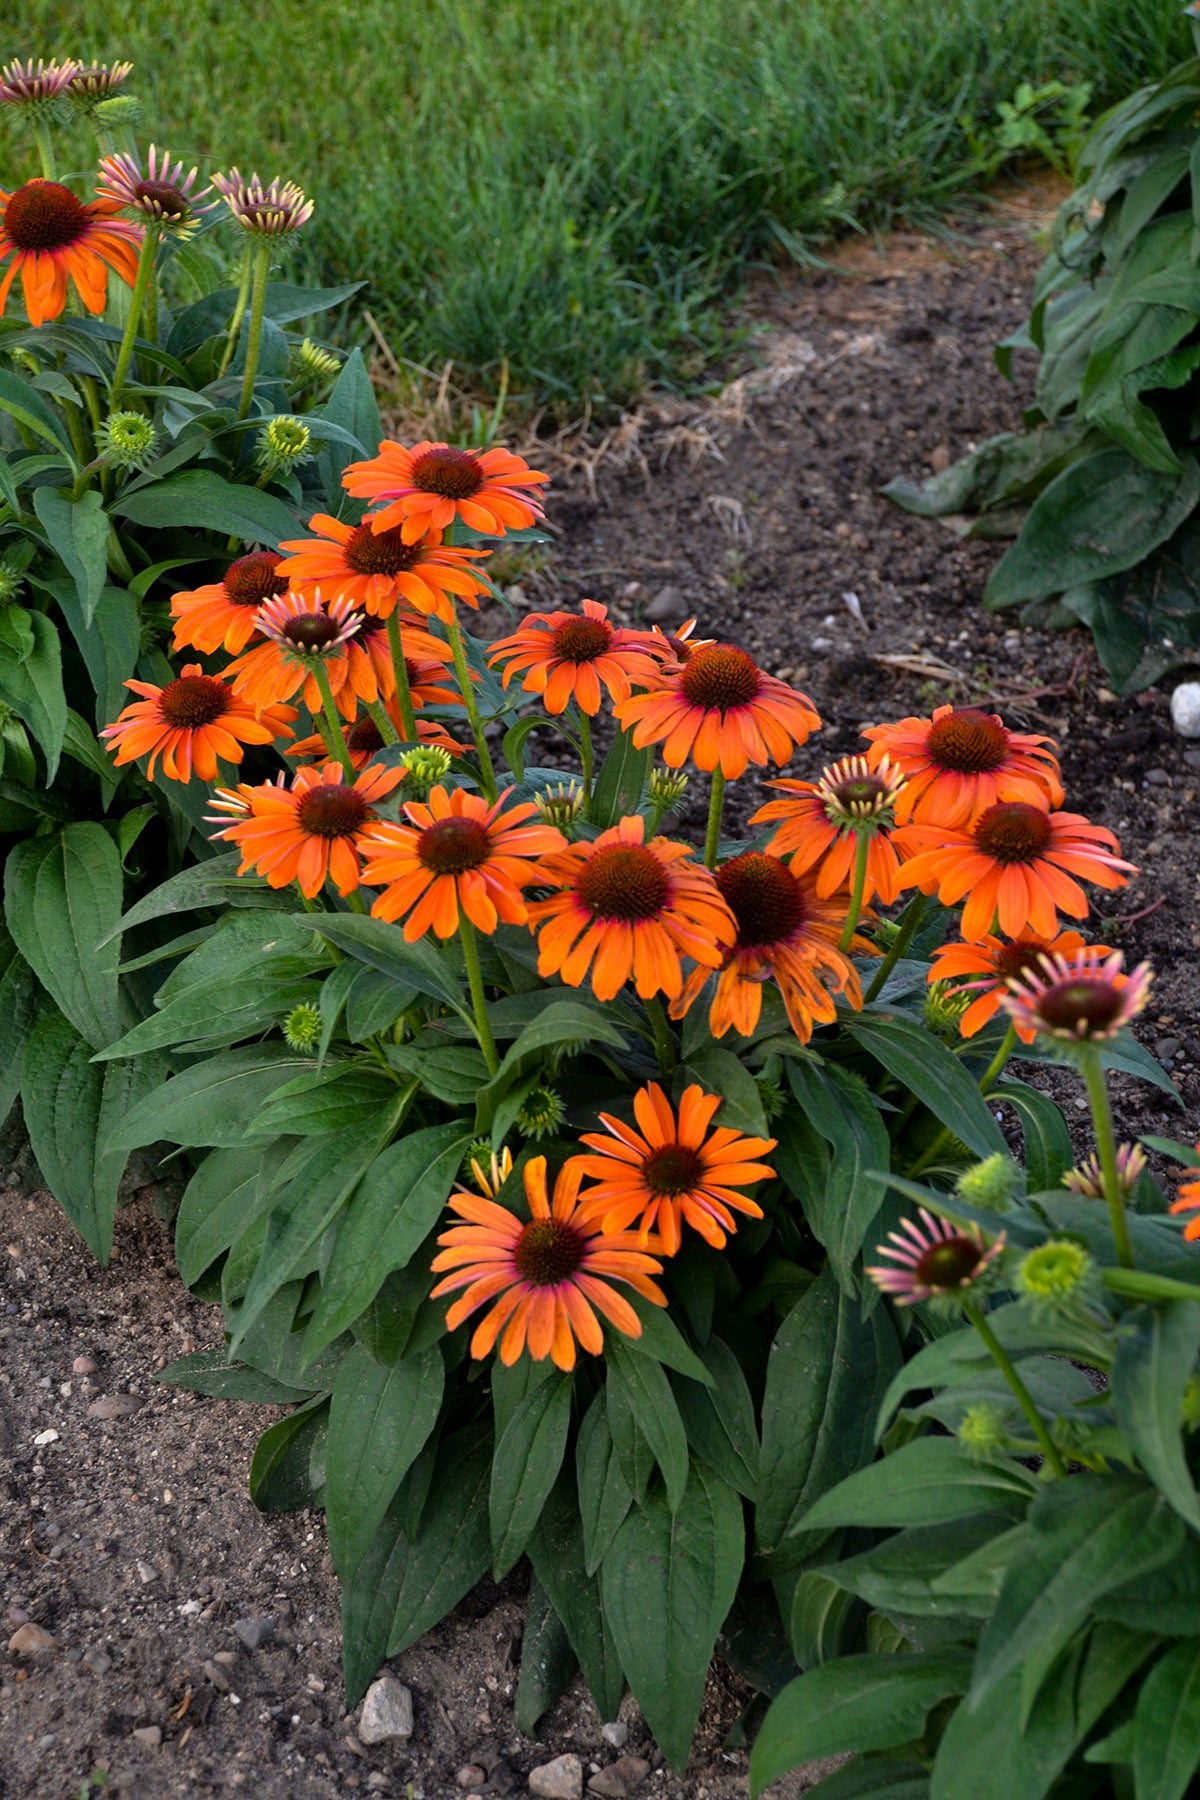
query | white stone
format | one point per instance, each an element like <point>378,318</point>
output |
<point>387,1711</point>
<point>1185,709</point>
<point>561,1779</point>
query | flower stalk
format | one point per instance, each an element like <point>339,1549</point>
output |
<point>463,671</point>
<point>141,285</point>
<point>331,728</point>
<point>716,805</point>
<point>258,303</point>
<point>863,834</point>
<point>1020,1392</point>
<point>483,1029</point>
<point>408,717</point>
<point>239,310</point>
<point>910,921</point>
<point>1092,1070</point>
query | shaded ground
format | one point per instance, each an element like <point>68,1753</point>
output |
<point>130,1539</point>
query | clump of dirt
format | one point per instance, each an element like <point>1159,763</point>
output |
<point>128,1538</point>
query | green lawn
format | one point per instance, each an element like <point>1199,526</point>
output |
<point>575,184</point>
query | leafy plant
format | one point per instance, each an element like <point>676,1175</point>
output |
<point>1101,489</point>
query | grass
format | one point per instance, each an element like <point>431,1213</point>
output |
<point>577,187</point>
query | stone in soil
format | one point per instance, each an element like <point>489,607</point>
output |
<point>149,1734</point>
<point>31,1640</point>
<point>116,1406</point>
<point>387,1712</point>
<point>471,1776</point>
<point>616,1733</point>
<point>1185,709</point>
<point>561,1779</point>
<point>254,1633</point>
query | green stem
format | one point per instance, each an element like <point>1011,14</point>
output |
<point>45,148</point>
<point>239,311</point>
<point>716,802</point>
<point>258,302</point>
<point>408,718</point>
<point>910,919</point>
<point>383,724</point>
<point>145,274</point>
<point>586,760</point>
<point>862,853</point>
<point>1021,1394</point>
<point>487,773</point>
<point>1106,1146</point>
<point>996,1067</point>
<point>664,1044</point>
<point>355,902</point>
<point>334,736</point>
<point>483,1029</point>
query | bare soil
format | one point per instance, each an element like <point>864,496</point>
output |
<point>131,1539</point>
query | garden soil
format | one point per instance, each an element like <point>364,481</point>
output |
<point>125,1533</point>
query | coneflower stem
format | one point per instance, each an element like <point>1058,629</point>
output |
<point>45,148</point>
<point>996,1067</point>
<point>462,669</point>
<point>664,1046</point>
<point>332,732</point>
<point>258,302</point>
<point>383,725</point>
<point>1021,1394</point>
<point>586,760</point>
<point>483,1029</point>
<point>408,718</point>
<point>1106,1148</point>
<point>911,918</point>
<point>716,803</point>
<point>142,280</point>
<point>239,311</point>
<point>861,856</point>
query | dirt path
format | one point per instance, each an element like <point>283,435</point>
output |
<point>129,1538</point>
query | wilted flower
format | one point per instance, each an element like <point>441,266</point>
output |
<point>937,1260</point>
<point>126,440</point>
<point>273,211</point>
<point>161,193</point>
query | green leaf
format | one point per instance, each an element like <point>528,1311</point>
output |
<point>23,403</point>
<point>1099,517</point>
<point>662,1340</point>
<point>202,499</point>
<point>604,1494</point>
<point>18,1015</point>
<point>109,645</point>
<point>213,1102</point>
<point>452,1073</point>
<point>559,1022</point>
<point>720,1420</point>
<point>82,745</point>
<point>330,1099</point>
<point>1086,1538</point>
<point>219,1012</point>
<point>828,1370</point>
<point>931,1071</point>
<point>61,894</point>
<point>874,1778</point>
<point>648,1397</point>
<point>1166,1601</point>
<point>525,1467</point>
<point>720,1072</point>
<point>667,1584</point>
<point>858,1703</point>
<point>1166,1726</point>
<point>1155,1360</point>
<point>934,1571</point>
<point>556,1552</point>
<point>397,1204</point>
<point>382,946</point>
<point>819,1619</point>
<point>838,1106</point>
<point>620,782</point>
<point>380,1420</point>
<point>211,1372</point>
<point>547,1660</point>
<point>353,406</point>
<point>71,1107</point>
<point>924,1482</point>
<point>224,1196</point>
<point>205,885</point>
<point>78,531</point>
<point>1048,1149</point>
<point>286,1470</point>
<point>32,685</point>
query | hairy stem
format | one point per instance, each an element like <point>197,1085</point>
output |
<point>408,718</point>
<point>586,759</point>
<point>910,919</point>
<point>861,855</point>
<point>1106,1148</point>
<point>1021,1394</point>
<point>483,1029</point>
<point>664,1044</point>
<point>142,280</point>
<point>383,725</point>
<point>716,804</point>
<point>239,310</point>
<point>996,1067</point>
<point>462,669</point>
<point>335,737</point>
<point>258,302</point>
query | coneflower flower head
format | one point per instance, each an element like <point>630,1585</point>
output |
<point>1085,998</point>
<point>856,796</point>
<point>490,1169</point>
<point>424,767</point>
<point>93,83</point>
<point>307,628</point>
<point>270,211</point>
<point>283,443</point>
<point>311,365</point>
<point>1055,1276</point>
<point>943,1008</point>
<point>11,582</point>
<point>560,806</point>
<point>302,1027</point>
<point>982,1429</point>
<point>126,440</point>
<point>1088,1180</point>
<point>666,787</point>
<point>934,1260</point>
<point>36,86</point>
<point>161,192</point>
<point>542,1112</point>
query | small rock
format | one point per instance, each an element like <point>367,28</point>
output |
<point>1185,709</point>
<point>1166,1047</point>
<point>50,1436</point>
<point>146,1572</point>
<point>84,1365</point>
<point>939,458</point>
<point>254,1633</point>
<point>315,1685</point>
<point>116,1406</point>
<point>821,646</point>
<point>387,1711</point>
<point>17,1615</point>
<point>471,1776</point>
<point>149,1734</point>
<point>226,1658</point>
<point>669,603</point>
<point>1157,778</point>
<point>31,1640</point>
<point>377,1779</point>
<point>47,1740</point>
<point>97,1660</point>
<point>561,1779</point>
<point>215,1673</point>
<point>616,1733</point>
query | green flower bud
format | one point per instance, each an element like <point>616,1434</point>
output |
<point>126,440</point>
<point>541,1113</point>
<point>560,806</point>
<point>944,1009</point>
<point>1055,1275</point>
<point>982,1431</point>
<point>772,1097</point>
<point>666,788</point>
<point>423,768</point>
<point>312,366</point>
<point>121,109</point>
<point>990,1184</point>
<point>302,1027</point>
<point>283,443</point>
<point>11,582</point>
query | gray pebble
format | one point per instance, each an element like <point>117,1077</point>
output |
<point>561,1779</point>
<point>1157,778</point>
<point>821,646</point>
<point>615,1733</point>
<point>149,1734</point>
<point>1166,1047</point>
<point>116,1406</point>
<point>471,1776</point>
<point>1192,758</point>
<point>668,604</point>
<point>97,1660</point>
<point>255,1632</point>
<point>215,1673</point>
<point>387,1711</point>
<point>47,1740</point>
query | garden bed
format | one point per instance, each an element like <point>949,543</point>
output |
<point>763,535</point>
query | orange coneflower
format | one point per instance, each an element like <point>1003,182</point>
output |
<point>1086,998</point>
<point>548,1278</point>
<point>365,740</point>
<point>673,1170</point>
<point>1015,860</point>
<point>676,646</point>
<point>191,723</point>
<point>636,908</point>
<point>312,831</point>
<point>457,852</point>
<point>1188,1201</point>
<point>380,570</point>
<point>564,656</point>
<point>51,236</point>
<point>785,933</point>
<point>434,484</point>
<point>995,964</point>
<point>720,709</point>
<point>221,615</point>
<point>300,628</point>
<point>961,761</point>
<point>822,824</point>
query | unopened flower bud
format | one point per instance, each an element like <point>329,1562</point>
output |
<point>312,365</point>
<point>1054,1275</point>
<point>11,582</point>
<point>302,1027</point>
<point>121,110</point>
<point>990,1184</point>
<point>944,1008</point>
<point>284,442</point>
<point>560,806</point>
<point>126,440</point>
<point>772,1097</point>
<point>982,1431</point>
<point>666,788</point>
<point>423,768</point>
<point>542,1112</point>
<point>1190,1405</point>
